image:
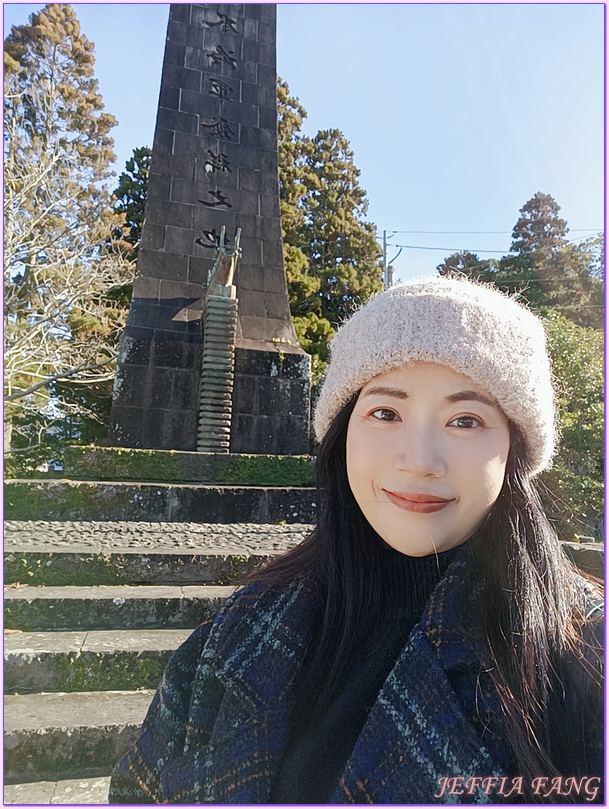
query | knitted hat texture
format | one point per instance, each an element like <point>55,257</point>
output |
<point>474,329</point>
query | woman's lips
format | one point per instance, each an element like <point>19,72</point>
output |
<point>418,503</point>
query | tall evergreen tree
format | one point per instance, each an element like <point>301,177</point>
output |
<point>543,266</point>
<point>340,245</point>
<point>331,255</point>
<point>130,193</point>
<point>556,272</point>
<point>61,260</point>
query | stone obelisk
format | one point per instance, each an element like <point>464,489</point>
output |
<point>214,165</point>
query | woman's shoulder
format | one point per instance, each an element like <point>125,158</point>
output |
<point>261,595</point>
<point>258,605</point>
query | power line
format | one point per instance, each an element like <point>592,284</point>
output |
<point>469,232</point>
<point>501,281</point>
<point>452,249</point>
<point>467,249</point>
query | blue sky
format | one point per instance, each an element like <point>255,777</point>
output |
<point>457,113</point>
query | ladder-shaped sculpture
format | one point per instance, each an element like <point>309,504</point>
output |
<point>219,329</point>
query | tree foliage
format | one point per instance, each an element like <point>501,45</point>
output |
<point>331,255</point>
<point>465,263</point>
<point>576,479</point>
<point>130,194</point>
<point>564,283</point>
<point>63,262</point>
<point>543,266</point>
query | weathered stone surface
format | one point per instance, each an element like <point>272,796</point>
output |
<point>270,402</point>
<point>172,567</point>
<point>50,736</point>
<point>97,537</point>
<point>40,609</point>
<point>589,557</point>
<point>157,502</point>
<point>111,660</point>
<point>39,792</point>
<point>80,791</point>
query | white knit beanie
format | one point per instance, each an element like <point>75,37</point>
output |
<point>474,329</point>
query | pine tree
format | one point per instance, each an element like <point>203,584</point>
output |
<point>341,247</point>
<point>61,262</point>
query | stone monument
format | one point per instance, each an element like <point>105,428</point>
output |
<point>213,172</point>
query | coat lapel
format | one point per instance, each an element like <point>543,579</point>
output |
<point>416,732</point>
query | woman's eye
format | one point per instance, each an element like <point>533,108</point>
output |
<point>465,422</point>
<point>383,414</point>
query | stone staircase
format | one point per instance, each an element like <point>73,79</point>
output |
<point>102,587</point>
<point>92,620</point>
<point>109,565</point>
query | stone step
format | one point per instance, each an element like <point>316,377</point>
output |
<point>32,499</point>
<point>107,660</point>
<point>130,552</point>
<point>587,556</point>
<point>83,791</point>
<point>42,609</point>
<point>50,737</point>
<point>116,463</point>
<point>89,553</point>
<point>81,567</point>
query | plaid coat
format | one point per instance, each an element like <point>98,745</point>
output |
<point>219,723</point>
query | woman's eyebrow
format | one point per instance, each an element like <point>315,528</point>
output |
<point>468,396</point>
<point>379,390</point>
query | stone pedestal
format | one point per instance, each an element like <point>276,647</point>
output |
<point>214,163</point>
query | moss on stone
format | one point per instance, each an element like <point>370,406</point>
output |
<point>110,463</point>
<point>90,463</point>
<point>264,470</point>
<point>56,500</point>
<point>51,569</point>
<point>114,463</point>
<point>98,672</point>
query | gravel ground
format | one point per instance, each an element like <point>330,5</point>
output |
<point>49,535</point>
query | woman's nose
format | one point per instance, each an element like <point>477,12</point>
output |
<point>419,453</point>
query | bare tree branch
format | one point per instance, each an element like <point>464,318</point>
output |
<point>21,393</point>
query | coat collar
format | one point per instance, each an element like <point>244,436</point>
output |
<point>262,618</point>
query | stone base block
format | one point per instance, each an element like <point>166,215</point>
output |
<point>271,403</point>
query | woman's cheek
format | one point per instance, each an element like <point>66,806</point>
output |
<point>362,458</point>
<point>494,477</point>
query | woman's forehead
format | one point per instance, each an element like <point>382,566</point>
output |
<point>417,373</point>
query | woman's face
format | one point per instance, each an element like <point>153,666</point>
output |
<point>426,456</point>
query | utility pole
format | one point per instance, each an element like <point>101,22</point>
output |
<point>387,270</point>
<point>385,279</point>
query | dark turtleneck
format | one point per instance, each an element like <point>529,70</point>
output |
<point>320,746</point>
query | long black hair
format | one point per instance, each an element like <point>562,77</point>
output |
<point>527,601</point>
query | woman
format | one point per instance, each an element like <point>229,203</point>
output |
<point>429,642</point>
